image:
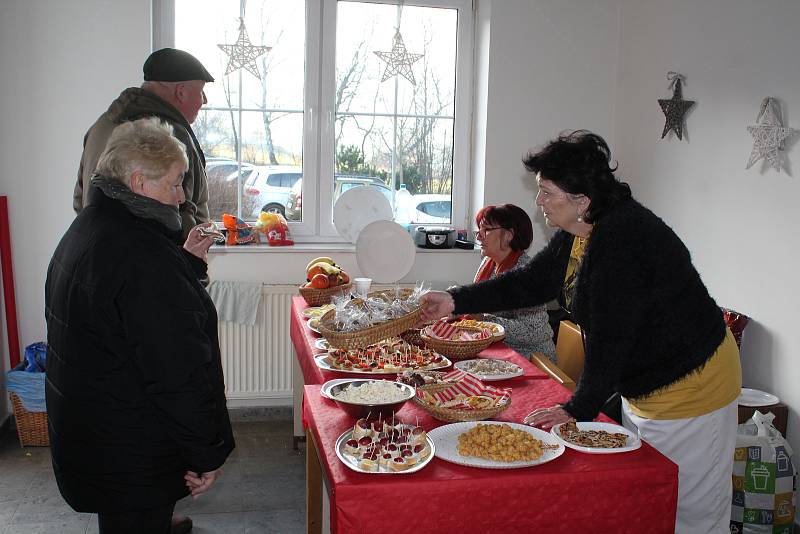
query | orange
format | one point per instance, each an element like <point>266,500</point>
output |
<point>320,281</point>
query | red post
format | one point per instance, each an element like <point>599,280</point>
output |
<point>8,283</point>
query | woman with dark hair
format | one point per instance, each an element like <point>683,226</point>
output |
<point>505,233</point>
<point>651,331</point>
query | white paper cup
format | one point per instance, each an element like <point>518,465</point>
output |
<point>362,285</point>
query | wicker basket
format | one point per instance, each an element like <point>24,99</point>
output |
<point>458,349</point>
<point>454,415</point>
<point>373,334</point>
<point>318,297</point>
<point>31,426</point>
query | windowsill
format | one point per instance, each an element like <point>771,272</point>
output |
<point>303,248</point>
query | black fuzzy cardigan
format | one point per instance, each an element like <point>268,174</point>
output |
<point>648,319</point>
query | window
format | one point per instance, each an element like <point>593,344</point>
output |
<point>377,92</point>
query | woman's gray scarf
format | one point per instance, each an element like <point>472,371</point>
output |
<point>139,205</point>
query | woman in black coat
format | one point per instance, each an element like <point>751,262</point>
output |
<point>651,331</point>
<point>135,391</point>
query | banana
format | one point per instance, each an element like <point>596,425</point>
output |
<point>322,259</point>
<point>321,267</point>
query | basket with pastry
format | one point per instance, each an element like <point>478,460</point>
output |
<point>456,342</point>
<point>359,322</point>
<point>462,397</point>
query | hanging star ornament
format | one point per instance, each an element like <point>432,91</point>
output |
<point>243,53</point>
<point>398,60</point>
<point>675,108</point>
<point>768,135</point>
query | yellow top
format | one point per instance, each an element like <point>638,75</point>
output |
<point>716,385</point>
<point>571,277</point>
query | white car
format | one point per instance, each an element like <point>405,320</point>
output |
<point>424,208</point>
<point>267,187</point>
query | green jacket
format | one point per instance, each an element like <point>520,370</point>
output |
<point>135,103</point>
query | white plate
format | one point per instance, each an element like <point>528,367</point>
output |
<point>464,364</point>
<point>316,311</point>
<point>351,462</point>
<point>325,366</point>
<point>356,208</point>
<point>313,324</point>
<point>755,397</point>
<point>322,344</point>
<point>385,252</point>
<point>633,442</point>
<point>446,440</point>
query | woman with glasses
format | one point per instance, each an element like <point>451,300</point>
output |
<point>651,331</point>
<point>505,233</point>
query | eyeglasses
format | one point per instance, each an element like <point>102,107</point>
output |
<point>483,230</point>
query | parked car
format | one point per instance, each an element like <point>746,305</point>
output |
<point>342,183</point>
<point>431,208</point>
<point>267,188</point>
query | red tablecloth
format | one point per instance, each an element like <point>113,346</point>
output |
<point>628,492</point>
<point>303,339</point>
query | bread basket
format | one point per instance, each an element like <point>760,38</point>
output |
<point>318,297</point>
<point>452,415</point>
<point>457,350</point>
<point>367,336</point>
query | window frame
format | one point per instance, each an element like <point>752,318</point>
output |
<point>319,159</point>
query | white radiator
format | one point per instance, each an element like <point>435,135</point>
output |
<point>257,359</point>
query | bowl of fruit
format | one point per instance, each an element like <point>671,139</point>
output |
<point>324,279</point>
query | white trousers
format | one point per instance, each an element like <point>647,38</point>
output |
<point>703,449</point>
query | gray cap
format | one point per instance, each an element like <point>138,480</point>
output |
<point>173,65</point>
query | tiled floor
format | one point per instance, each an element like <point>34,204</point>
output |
<point>262,489</point>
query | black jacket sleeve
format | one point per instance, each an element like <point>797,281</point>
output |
<point>166,324</point>
<point>536,283</point>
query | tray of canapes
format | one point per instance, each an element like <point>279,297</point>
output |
<point>385,446</point>
<point>389,356</point>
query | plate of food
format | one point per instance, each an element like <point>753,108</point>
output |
<point>389,357</point>
<point>322,344</point>
<point>494,444</point>
<point>383,446</point>
<point>596,438</point>
<point>489,369</point>
<point>313,324</point>
<point>497,330</point>
<point>316,311</point>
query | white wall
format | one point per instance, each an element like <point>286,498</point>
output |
<point>62,64</point>
<point>740,225</point>
<point>552,67</point>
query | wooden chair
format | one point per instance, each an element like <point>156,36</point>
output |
<point>543,362</point>
<point>569,350</point>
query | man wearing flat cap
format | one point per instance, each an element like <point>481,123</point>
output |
<point>172,90</point>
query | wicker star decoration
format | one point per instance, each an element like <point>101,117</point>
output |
<point>675,108</point>
<point>768,135</point>
<point>243,53</point>
<point>398,60</point>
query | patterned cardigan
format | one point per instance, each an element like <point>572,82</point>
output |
<point>527,329</point>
